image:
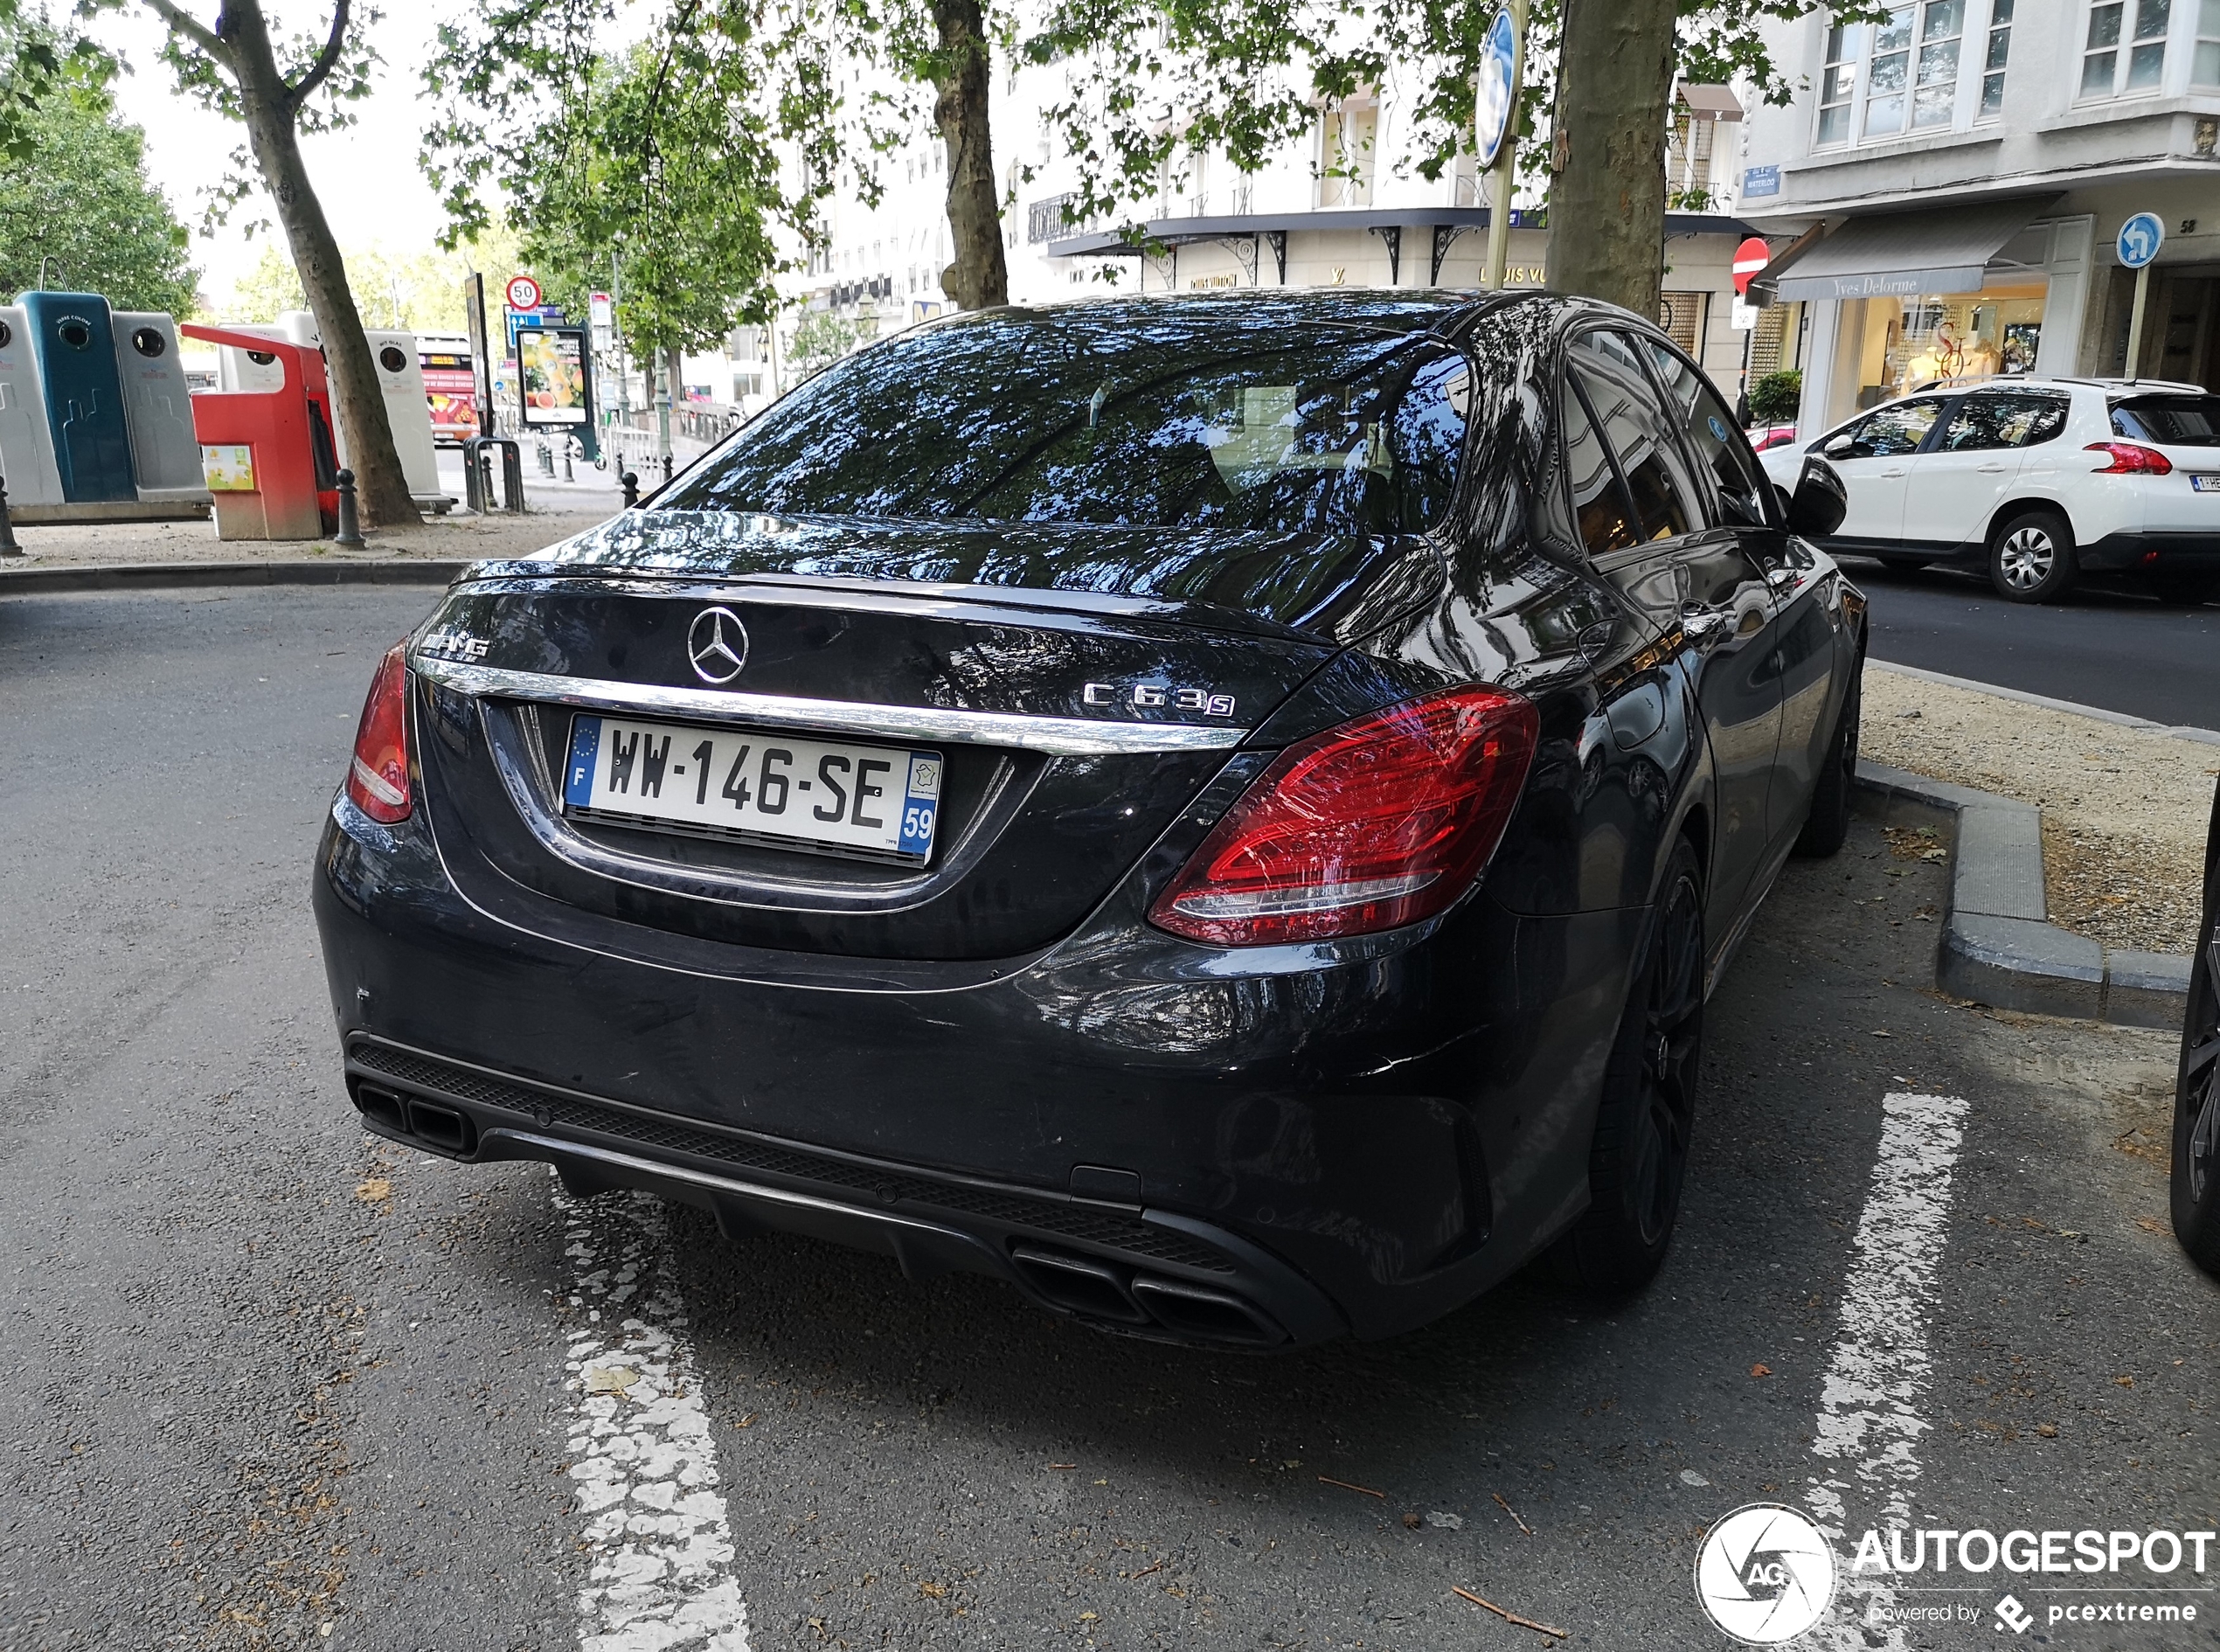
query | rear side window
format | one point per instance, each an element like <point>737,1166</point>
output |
<point>1992,419</point>
<point>1598,502</point>
<point>1713,437</point>
<point>1889,431</point>
<point>1633,428</point>
<point>2181,421</point>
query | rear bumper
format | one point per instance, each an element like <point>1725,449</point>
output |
<point>2153,552</point>
<point>1360,1136</point>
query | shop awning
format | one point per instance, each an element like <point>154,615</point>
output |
<point>1903,255</point>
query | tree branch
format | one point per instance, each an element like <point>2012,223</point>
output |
<point>180,22</point>
<point>327,59</point>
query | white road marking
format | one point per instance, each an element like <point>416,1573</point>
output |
<point>1870,1424</point>
<point>640,1447</point>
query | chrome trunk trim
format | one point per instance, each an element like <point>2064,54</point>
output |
<point>1056,736</point>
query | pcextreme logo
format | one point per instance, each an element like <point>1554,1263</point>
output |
<point>1765,1574</point>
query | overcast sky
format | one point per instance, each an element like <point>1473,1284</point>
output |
<point>366,176</point>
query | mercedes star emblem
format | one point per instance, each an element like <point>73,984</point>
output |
<point>717,645</point>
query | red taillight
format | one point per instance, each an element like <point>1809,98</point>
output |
<point>2130,459</point>
<point>1372,825</point>
<point>378,779</point>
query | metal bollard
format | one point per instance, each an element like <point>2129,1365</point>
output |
<point>630,480</point>
<point>547,461</point>
<point>666,467</point>
<point>7,546</point>
<point>350,528</point>
<point>570,448</point>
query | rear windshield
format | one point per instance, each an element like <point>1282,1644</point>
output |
<point>1211,420</point>
<point>2182,422</point>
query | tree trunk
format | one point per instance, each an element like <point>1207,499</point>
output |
<point>266,104</point>
<point>979,278</point>
<point>1607,197</point>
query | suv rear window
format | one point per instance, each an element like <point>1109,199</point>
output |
<point>2180,421</point>
<point>1226,423</point>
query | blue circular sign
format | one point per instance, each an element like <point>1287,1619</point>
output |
<point>1497,89</point>
<point>2140,240</point>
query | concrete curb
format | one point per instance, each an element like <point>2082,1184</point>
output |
<point>1999,946</point>
<point>148,576</point>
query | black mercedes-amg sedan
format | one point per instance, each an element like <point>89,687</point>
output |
<point>1223,811</point>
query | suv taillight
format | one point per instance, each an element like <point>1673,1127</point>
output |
<point>378,778</point>
<point>2130,458</point>
<point>1376,823</point>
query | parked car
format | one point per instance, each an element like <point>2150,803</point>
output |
<point>2038,480</point>
<point>1220,810</point>
<point>2197,1112</point>
<point>1766,437</point>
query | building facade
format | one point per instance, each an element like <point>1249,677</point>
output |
<point>1945,191</point>
<point>1346,208</point>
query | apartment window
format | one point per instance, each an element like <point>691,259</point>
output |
<point>1345,156</point>
<point>2204,67</point>
<point>2125,49</point>
<point>1838,81</point>
<point>2000,47</point>
<point>1907,65</point>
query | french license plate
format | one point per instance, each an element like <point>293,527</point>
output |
<point>725,782</point>
<point>2204,485</point>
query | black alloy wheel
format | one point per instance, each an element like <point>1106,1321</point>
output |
<point>1645,1119</point>
<point>1828,824</point>
<point>2196,1094</point>
<point>2031,558</point>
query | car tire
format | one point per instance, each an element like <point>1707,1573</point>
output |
<point>1639,1157</point>
<point>2031,558</point>
<point>1828,822</point>
<point>2196,1101</point>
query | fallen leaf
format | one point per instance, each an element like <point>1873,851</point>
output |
<point>2149,1225</point>
<point>2123,1382</point>
<point>935,1590</point>
<point>609,1379</point>
<point>1762,1370</point>
<point>2047,1430</point>
<point>1412,1521</point>
<point>374,1191</point>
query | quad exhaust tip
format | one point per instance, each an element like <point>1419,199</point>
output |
<point>442,1129</point>
<point>1092,1289</point>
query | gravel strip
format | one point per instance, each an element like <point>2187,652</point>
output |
<point>2124,810</point>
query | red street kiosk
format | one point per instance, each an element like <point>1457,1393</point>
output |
<point>269,456</point>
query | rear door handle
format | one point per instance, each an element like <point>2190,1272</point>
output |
<point>1990,471</point>
<point>1899,471</point>
<point>1700,624</point>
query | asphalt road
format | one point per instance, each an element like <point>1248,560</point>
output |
<point>2106,646</point>
<point>270,1375</point>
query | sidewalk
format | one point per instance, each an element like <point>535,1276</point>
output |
<point>556,511</point>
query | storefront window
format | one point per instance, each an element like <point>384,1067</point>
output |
<point>1909,343</point>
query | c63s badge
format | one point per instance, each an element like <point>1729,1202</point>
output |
<point>1148,697</point>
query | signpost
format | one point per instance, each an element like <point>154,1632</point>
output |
<point>2140,240</point>
<point>1750,260</point>
<point>1503,62</point>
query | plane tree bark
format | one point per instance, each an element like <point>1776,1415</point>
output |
<point>256,91</point>
<point>1607,192</point>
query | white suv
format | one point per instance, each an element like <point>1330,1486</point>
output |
<point>2038,480</point>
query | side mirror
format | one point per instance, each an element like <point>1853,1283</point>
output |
<point>1843,447</point>
<point>1820,500</point>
